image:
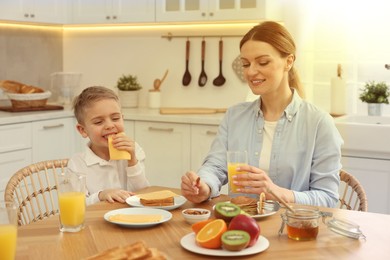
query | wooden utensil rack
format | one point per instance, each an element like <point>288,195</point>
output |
<point>169,36</point>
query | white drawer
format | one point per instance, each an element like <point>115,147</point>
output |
<point>15,137</point>
<point>11,162</point>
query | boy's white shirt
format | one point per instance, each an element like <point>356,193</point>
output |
<point>113,174</point>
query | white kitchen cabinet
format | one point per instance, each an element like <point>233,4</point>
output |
<point>40,11</point>
<point>374,175</point>
<point>167,148</point>
<point>129,128</point>
<point>202,137</point>
<point>214,10</point>
<point>112,11</point>
<point>15,151</point>
<point>53,139</point>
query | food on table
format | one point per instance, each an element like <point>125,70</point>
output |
<point>158,198</point>
<point>11,86</point>
<point>248,224</point>
<point>235,240</point>
<point>141,218</point>
<point>210,235</point>
<point>116,154</point>
<point>196,227</point>
<point>247,204</point>
<point>260,203</point>
<point>137,250</point>
<point>195,212</point>
<point>226,210</point>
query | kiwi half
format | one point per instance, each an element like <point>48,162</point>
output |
<point>226,210</point>
<point>235,240</point>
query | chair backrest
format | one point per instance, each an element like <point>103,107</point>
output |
<point>34,189</point>
<point>352,194</point>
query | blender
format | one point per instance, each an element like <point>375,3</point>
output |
<point>64,85</point>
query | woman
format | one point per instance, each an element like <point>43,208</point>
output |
<point>294,149</point>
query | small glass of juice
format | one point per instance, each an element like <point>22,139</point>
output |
<point>71,200</point>
<point>234,160</point>
<point>8,230</point>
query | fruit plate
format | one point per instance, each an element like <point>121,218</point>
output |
<point>267,213</point>
<point>138,211</point>
<point>188,243</point>
<point>135,202</point>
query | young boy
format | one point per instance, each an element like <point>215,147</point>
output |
<point>99,116</point>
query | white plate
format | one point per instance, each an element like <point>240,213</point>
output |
<point>138,211</point>
<point>258,216</point>
<point>188,242</point>
<point>135,202</point>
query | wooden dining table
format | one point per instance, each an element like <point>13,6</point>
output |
<point>43,240</point>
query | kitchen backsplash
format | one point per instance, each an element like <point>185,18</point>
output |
<point>29,54</point>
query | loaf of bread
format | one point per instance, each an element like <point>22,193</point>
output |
<point>116,154</point>
<point>158,198</point>
<point>12,86</point>
<point>137,250</point>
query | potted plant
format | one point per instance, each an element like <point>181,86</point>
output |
<point>128,90</point>
<point>375,94</point>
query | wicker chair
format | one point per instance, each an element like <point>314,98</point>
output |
<point>34,189</point>
<point>352,195</point>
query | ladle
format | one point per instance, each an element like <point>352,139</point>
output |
<point>157,82</point>
<point>220,79</point>
<point>203,77</point>
<point>187,76</point>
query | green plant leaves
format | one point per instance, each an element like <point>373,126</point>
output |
<point>375,92</point>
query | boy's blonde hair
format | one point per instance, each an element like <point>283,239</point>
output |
<point>88,97</point>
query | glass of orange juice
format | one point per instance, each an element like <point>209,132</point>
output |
<point>8,230</point>
<point>234,160</point>
<point>71,200</point>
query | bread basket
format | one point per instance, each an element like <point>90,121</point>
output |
<point>29,100</point>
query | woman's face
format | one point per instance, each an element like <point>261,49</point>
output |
<point>101,119</point>
<point>264,69</point>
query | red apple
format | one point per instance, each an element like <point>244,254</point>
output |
<point>248,224</point>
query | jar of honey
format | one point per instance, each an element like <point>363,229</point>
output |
<point>303,223</point>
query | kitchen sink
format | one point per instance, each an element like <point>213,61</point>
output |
<point>365,136</point>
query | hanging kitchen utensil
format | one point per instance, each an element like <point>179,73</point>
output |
<point>187,76</point>
<point>203,77</point>
<point>237,68</point>
<point>220,79</point>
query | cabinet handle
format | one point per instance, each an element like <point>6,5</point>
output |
<point>26,15</point>
<point>32,15</point>
<point>114,17</point>
<point>52,126</point>
<point>211,14</point>
<point>151,128</point>
<point>203,14</point>
<point>108,17</point>
<point>209,132</point>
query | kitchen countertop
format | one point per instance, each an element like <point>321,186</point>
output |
<point>137,114</point>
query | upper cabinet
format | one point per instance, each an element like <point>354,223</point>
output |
<point>214,10</point>
<point>112,11</point>
<point>34,11</point>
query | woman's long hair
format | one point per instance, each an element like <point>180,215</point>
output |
<point>277,35</point>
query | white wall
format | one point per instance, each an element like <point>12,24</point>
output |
<point>104,55</point>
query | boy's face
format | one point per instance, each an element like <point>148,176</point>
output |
<point>101,119</point>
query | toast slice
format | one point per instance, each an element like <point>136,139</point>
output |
<point>158,198</point>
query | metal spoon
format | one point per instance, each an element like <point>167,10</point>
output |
<point>203,77</point>
<point>220,79</point>
<point>187,76</point>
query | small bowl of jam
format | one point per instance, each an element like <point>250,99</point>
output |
<point>303,223</point>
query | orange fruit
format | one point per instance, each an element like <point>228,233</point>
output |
<point>196,227</point>
<point>210,235</point>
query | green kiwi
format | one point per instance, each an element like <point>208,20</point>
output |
<point>235,240</point>
<point>226,210</point>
